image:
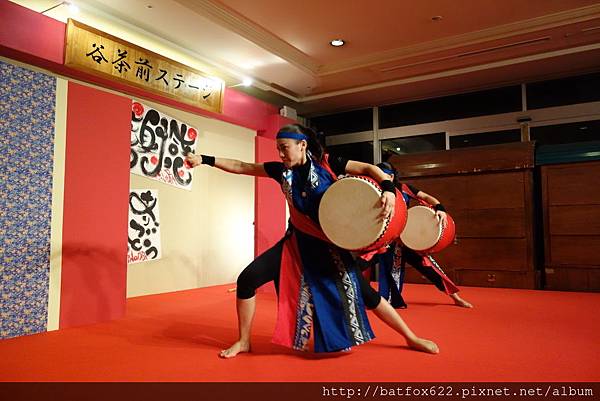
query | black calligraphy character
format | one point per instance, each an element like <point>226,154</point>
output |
<point>136,226</point>
<point>143,71</point>
<point>152,250</point>
<point>192,86</point>
<point>164,72</point>
<point>98,58</point>
<point>143,206</point>
<point>178,148</point>
<point>179,80</point>
<point>206,90</point>
<point>153,141</point>
<point>121,64</point>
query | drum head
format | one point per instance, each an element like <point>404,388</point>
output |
<point>349,213</point>
<point>422,230</point>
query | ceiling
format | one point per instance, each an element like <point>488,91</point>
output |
<point>395,50</point>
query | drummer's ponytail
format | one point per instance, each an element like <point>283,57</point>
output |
<point>315,145</point>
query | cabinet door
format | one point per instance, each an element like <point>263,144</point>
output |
<point>490,223</point>
<point>491,278</point>
<point>448,190</point>
<point>495,191</point>
<point>571,209</point>
<point>484,253</point>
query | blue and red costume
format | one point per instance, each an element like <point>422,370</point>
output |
<point>319,285</point>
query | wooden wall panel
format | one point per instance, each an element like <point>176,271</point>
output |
<point>491,191</point>
<point>490,223</point>
<point>571,278</point>
<point>488,191</point>
<point>449,190</point>
<point>503,157</point>
<point>573,184</point>
<point>571,210</point>
<point>491,278</point>
<point>578,251</point>
<point>574,220</point>
<point>482,253</point>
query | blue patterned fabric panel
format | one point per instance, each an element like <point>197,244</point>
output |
<point>27,101</point>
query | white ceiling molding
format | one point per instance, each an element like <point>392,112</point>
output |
<point>457,71</point>
<point>252,32</point>
<point>467,54</point>
<point>471,38</point>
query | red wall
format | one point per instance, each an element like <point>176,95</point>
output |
<point>269,223</point>
<point>93,286</point>
<point>33,38</point>
<point>28,32</point>
<point>94,251</point>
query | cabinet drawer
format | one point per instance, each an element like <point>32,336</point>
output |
<point>495,278</point>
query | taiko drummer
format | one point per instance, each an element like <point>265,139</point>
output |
<point>392,263</point>
<point>319,285</point>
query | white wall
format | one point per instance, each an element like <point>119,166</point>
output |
<point>207,233</point>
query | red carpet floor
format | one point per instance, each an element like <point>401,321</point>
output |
<point>511,335</point>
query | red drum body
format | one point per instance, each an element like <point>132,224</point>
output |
<point>424,233</point>
<point>349,215</point>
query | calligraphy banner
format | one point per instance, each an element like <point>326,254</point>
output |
<point>144,226</point>
<point>102,54</point>
<point>158,146</point>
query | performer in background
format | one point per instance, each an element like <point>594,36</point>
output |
<point>319,285</point>
<point>392,263</point>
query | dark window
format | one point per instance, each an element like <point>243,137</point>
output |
<point>496,101</point>
<point>344,123</point>
<point>580,89</point>
<point>413,144</point>
<point>485,138</point>
<point>360,151</point>
<point>566,133</point>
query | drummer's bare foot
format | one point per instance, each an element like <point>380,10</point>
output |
<point>236,348</point>
<point>420,344</point>
<point>459,301</point>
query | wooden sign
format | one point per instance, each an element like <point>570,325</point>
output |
<point>100,53</point>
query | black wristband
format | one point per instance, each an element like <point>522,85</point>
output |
<point>439,208</point>
<point>210,160</point>
<point>388,186</point>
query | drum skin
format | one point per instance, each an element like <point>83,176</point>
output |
<point>422,223</point>
<point>349,211</point>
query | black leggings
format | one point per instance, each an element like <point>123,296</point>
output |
<point>416,260</point>
<point>266,267</point>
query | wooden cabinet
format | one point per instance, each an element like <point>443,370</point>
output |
<point>488,191</point>
<point>571,213</point>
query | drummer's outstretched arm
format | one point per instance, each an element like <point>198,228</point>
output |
<point>428,198</point>
<point>437,205</point>
<point>360,168</point>
<point>230,165</point>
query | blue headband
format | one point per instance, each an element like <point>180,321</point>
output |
<point>385,170</point>
<point>292,135</point>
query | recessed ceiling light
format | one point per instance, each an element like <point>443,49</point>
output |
<point>337,42</point>
<point>247,81</point>
<point>436,18</point>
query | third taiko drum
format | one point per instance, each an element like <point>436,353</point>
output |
<point>425,233</point>
<point>349,215</point>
